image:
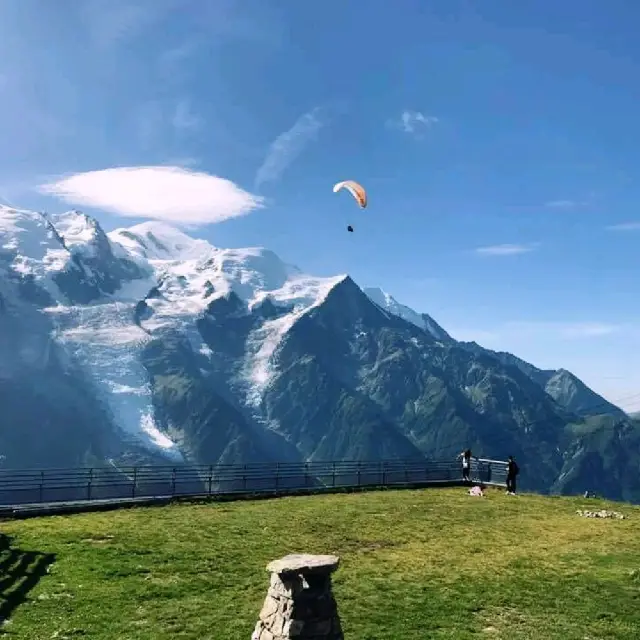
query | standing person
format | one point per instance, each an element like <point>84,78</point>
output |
<point>512,471</point>
<point>466,465</point>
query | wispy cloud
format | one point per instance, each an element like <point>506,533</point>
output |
<point>248,20</point>
<point>288,146</point>
<point>110,22</point>
<point>154,120</point>
<point>506,249</point>
<point>148,120</point>
<point>413,122</point>
<point>172,65</point>
<point>563,204</point>
<point>184,118</point>
<point>172,194</point>
<point>571,330</point>
<point>176,56</point>
<point>625,226</point>
<point>567,204</point>
<point>548,331</point>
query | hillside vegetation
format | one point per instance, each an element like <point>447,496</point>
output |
<point>434,563</point>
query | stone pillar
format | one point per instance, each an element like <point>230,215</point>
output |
<point>299,602</point>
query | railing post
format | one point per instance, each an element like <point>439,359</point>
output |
<point>306,474</point>
<point>333,475</point>
<point>135,481</point>
<point>277,475</point>
<point>489,472</point>
<point>173,482</point>
<point>384,474</point>
<point>406,474</point>
<point>210,478</point>
<point>41,492</point>
<point>244,477</point>
<point>359,474</point>
<point>89,484</point>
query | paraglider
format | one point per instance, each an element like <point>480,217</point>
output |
<point>356,190</point>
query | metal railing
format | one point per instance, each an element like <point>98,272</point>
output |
<point>30,487</point>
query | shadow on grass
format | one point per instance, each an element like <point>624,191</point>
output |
<point>20,571</point>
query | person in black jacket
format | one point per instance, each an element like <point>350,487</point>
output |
<point>512,471</point>
<point>466,465</point>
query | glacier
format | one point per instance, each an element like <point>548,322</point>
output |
<point>180,277</point>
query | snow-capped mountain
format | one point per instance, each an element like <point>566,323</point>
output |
<point>146,344</point>
<point>169,282</point>
<point>422,320</point>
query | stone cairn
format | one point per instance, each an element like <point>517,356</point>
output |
<point>299,602</point>
<point>600,514</point>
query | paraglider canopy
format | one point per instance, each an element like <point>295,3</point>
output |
<point>355,189</point>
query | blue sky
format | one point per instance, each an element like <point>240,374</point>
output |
<point>498,141</point>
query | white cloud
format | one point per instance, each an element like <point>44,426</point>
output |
<point>413,122</point>
<point>505,249</point>
<point>288,146</point>
<point>625,226</point>
<point>172,194</point>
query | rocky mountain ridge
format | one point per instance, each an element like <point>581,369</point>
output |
<point>144,344</point>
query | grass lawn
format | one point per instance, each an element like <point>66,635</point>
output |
<point>435,563</point>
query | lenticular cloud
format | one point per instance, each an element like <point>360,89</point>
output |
<point>172,194</point>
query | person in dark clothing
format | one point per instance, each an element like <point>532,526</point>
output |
<point>512,471</point>
<point>466,465</point>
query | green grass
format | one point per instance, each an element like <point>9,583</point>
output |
<point>415,565</point>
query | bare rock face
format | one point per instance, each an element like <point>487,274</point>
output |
<point>300,602</point>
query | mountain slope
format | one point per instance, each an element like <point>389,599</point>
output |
<point>563,386</point>
<point>147,344</point>
<point>603,455</point>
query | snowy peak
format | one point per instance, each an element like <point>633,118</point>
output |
<point>30,243</point>
<point>390,304</point>
<point>253,272</point>
<point>76,228</point>
<point>26,233</point>
<point>159,241</point>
